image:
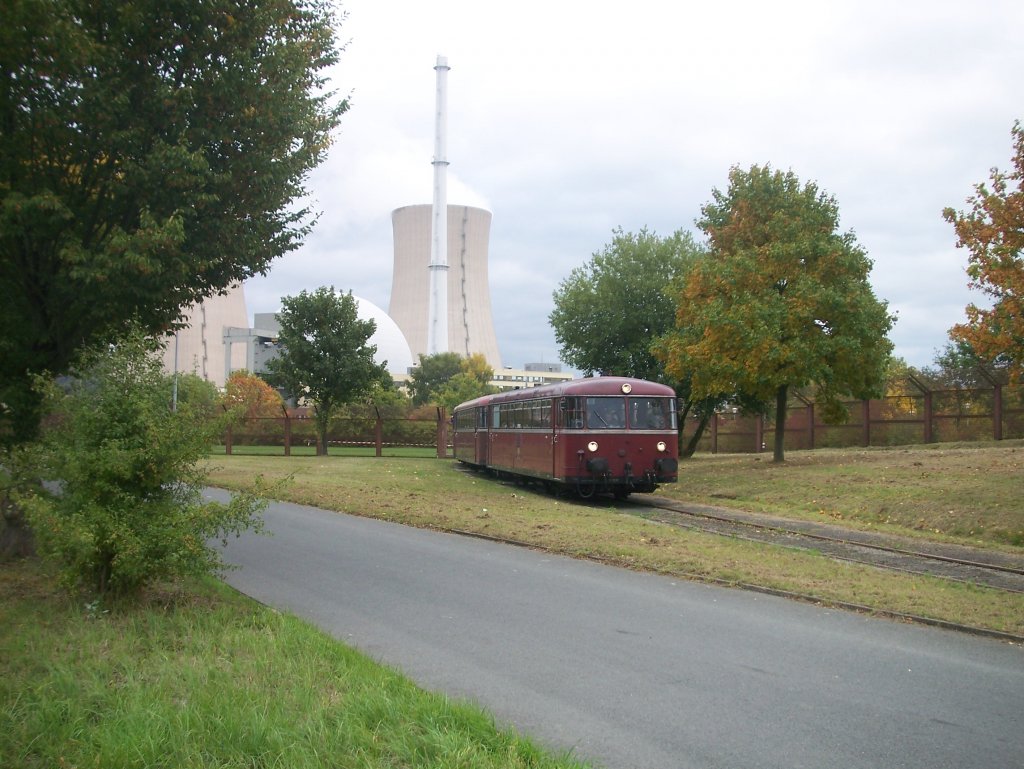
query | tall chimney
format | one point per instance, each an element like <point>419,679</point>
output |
<point>437,316</point>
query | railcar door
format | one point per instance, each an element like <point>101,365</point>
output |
<point>480,434</point>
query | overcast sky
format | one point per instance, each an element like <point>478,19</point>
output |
<point>569,119</point>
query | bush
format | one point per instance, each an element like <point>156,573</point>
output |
<point>129,507</point>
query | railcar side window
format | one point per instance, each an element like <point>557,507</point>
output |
<point>606,413</point>
<point>465,420</point>
<point>570,413</point>
<point>652,413</point>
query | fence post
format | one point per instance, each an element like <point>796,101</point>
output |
<point>378,433</point>
<point>287,432</point>
<point>997,404</point>
<point>442,434</point>
<point>865,422</point>
<point>997,412</point>
<point>928,413</point>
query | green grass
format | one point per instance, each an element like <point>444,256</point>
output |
<point>438,494</point>
<point>200,676</point>
<point>196,675</point>
<point>972,493</point>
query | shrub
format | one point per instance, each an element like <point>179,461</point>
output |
<point>129,508</point>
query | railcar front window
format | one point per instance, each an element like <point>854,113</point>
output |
<point>606,413</point>
<point>652,413</point>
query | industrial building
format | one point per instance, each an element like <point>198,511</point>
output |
<point>470,322</point>
<point>440,296</point>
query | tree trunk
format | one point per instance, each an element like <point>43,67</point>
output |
<point>323,422</point>
<point>16,538</point>
<point>780,423</point>
<point>691,445</point>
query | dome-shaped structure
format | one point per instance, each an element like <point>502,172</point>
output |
<point>389,339</point>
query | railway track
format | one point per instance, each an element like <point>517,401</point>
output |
<point>963,564</point>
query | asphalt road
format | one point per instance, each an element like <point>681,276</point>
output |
<point>634,670</point>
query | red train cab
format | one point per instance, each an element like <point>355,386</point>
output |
<point>599,435</point>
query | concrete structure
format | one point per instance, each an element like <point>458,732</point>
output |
<point>199,347</point>
<point>470,323</point>
<point>437,313</point>
<point>260,343</point>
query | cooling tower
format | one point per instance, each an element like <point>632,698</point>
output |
<point>200,345</point>
<point>470,324</point>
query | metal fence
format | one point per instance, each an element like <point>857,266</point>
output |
<point>376,431</point>
<point>911,413</point>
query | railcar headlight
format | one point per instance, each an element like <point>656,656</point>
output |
<point>627,388</point>
<point>662,446</point>
<point>592,446</point>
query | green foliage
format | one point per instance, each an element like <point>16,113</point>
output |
<point>325,356</point>
<point>129,510</point>
<point>781,301</point>
<point>447,379</point>
<point>431,375</point>
<point>608,311</point>
<point>199,394</point>
<point>154,154</point>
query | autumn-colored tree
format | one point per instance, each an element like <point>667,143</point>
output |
<point>782,301</point>
<point>251,396</point>
<point>993,232</point>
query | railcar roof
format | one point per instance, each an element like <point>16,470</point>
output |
<point>604,385</point>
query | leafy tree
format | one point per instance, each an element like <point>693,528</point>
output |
<point>200,394</point>
<point>251,396</point>
<point>993,232</point>
<point>326,357</point>
<point>130,509</point>
<point>783,301</point>
<point>472,381</point>
<point>447,379</point>
<point>431,375</point>
<point>608,312</point>
<point>154,154</point>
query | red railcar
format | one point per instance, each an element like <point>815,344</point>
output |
<point>600,435</point>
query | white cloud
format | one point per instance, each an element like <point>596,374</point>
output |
<point>569,119</point>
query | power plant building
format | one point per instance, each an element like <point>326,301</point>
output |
<point>198,348</point>
<point>470,322</point>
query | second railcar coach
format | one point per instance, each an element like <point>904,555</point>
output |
<point>597,435</point>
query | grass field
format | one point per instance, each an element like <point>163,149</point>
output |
<point>439,494</point>
<point>971,493</point>
<point>195,675</point>
<point>199,676</point>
